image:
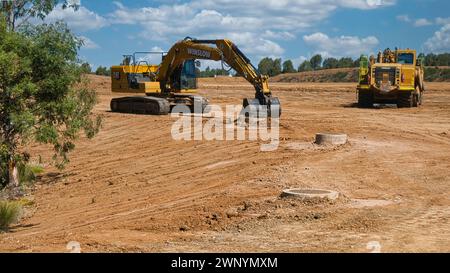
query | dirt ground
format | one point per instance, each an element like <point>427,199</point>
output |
<point>135,189</point>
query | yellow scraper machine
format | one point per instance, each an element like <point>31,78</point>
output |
<point>174,81</point>
<point>393,77</point>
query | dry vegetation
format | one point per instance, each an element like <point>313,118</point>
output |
<point>432,74</point>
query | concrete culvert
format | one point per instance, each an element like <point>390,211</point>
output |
<point>310,194</point>
<point>331,139</point>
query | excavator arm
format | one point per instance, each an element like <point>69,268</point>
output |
<point>218,50</point>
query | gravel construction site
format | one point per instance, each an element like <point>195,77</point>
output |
<point>135,189</point>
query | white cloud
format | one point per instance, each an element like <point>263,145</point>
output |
<point>74,2</point>
<point>422,22</point>
<point>404,18</point>
<point>292,5</point>
<point>258,26</point>
<point>367,4</point>
<point>442,21</point>
<point>351,46</point>
<point>88,43</point>
<point>118,4</point>
<point>80,20</point>
<point>440,42</point>
<point>258,46</point>
<point>284,35</point>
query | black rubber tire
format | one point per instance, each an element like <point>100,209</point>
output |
<point>406,100</point>
<point>365,100</point>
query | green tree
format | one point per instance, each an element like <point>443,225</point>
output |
<point>208,73</point>
<point>270,67</point>
<point>265,66</point>
<point>330,63</point>
<point>99,70</point>
<point>103,71</point>
<point>288,67</point>
<point>221,72</point>
<point>43,97</point>
<point>431,59</point>
<point>443,59</point>
<point>276,68</point>
<point>305,66</point>
<point>16,13</point>
<point>86,68</point>
<point>345,62</point>
<point>316,62</point>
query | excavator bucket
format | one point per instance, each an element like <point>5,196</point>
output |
<point>270,108</point>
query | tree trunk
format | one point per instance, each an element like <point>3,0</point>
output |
<point>9,16</point>
<point>13,174</point>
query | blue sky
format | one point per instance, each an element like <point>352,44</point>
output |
<point>277,28</point>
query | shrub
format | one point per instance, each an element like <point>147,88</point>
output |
<point>27,173</point>
<point>9,214</point>
<point>339,76</point>
<point>431,74</point>
<point>445,74</point>
<point>48,100</point>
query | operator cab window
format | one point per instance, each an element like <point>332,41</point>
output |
<point>405,58</point>
<point>188,76</point>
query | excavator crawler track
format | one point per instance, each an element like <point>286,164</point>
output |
<point>141,105</point>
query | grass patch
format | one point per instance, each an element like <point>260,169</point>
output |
<point>24,202</point>
<point>28,173</point>
<point>9,214</point>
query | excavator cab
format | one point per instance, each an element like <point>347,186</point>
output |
<point>184,78</point>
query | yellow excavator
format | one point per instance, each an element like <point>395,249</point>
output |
<point>174,81</point>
